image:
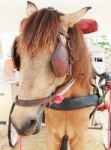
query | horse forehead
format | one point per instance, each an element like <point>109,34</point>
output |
<point>38,57</point>
<point>35,66</point>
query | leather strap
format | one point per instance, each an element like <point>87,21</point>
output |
<point>60,61</point>
<point>76,103</point>
<point>30,103</point>
<point>64,33</point>
<point>60,90</point>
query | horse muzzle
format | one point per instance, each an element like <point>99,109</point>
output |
<point>30,125</point>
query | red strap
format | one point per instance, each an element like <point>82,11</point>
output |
<point>58,98</point>
<point>102,107</point>
<point>20,142</point>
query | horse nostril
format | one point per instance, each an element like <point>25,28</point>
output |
<point>32,122</point>
<point>29,125</point>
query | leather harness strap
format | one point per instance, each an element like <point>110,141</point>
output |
<point>76,103</point>
<point>59,91</point>
<point>64,33</point>
<point>30,103</point>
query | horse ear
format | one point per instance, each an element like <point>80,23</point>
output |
<point>31,8</point>
<point>68,20</point>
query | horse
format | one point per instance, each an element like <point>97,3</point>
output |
<point>55,68</point>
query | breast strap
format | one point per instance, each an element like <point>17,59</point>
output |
<point>77,103</point>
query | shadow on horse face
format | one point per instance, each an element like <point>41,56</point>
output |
<point>39,78</point>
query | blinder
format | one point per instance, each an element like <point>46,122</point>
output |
<point>59,59</point>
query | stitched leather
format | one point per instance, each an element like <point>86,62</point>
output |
<point>60,61</point>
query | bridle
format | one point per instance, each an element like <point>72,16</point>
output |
<point>61,62</point>
<point>62,66</point>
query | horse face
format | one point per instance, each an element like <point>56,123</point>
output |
<point>37,81</point>
<point>37,78</point>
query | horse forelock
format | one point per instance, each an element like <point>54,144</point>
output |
<point>40,30</point>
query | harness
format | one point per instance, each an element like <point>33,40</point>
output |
<point>61,63</point>
<point>76,103</point>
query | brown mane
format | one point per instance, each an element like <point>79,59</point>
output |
<point>41,29</point>
<point>82,67</point>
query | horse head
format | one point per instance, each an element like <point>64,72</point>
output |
<point>49,51</point>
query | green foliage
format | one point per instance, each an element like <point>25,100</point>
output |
<point>104,43</point>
